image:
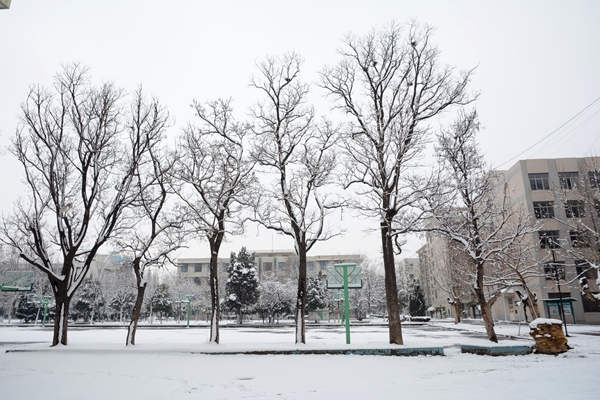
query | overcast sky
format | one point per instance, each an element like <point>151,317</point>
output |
<point>538,66</point>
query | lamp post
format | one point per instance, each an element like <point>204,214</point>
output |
<point>562,311</point>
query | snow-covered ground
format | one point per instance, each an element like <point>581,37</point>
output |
<point>97,365</point>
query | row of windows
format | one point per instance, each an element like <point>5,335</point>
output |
<point>267,266</point>
<point>557,268</point>
<point>550,239</point>
<point>573,209</point>
<point>282,266</point>
<point>197,267</point>
<point>568,180</point>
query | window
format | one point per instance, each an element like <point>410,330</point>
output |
<point>197,267</point>
<point>548,239</point>
<point>568,180</point>
<point>197,280</point>
<point>322,265</point>
<point>584,269</point>
<point>574,209</point>
<point>281,266</point>
<point>268,266</point>
<point>543,209</point>
<point>578,239</point>
<point>184,267</point>
<point>310,265</point>
<point>550,271</point>
<point>594,178</point>
<point>539,182</point>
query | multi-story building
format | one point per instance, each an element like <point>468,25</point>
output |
<point>278,263</point>
<point>561,196</point>
<point>551,193</point>
<point>106,263</point>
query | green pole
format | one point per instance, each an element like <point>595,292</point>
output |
<point>46,298</point>
<point>347,304</point>
<point>189,309</point>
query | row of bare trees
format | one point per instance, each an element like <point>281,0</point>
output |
<point>97,171</point>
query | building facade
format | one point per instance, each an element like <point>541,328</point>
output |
<point>559,197</point>
<point>278,263</point>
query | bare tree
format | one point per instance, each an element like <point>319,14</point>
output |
<point>79,168</point>
<point>155,231</point>
<point>371,297</point>
<point>449,269</point>
<point>477,216</point>
<point>391,84</point>
<point>514,268</point>
<point>289,144</point>
<point>216,178</point>
<point>276,297</point>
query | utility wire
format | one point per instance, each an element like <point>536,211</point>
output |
<point>551,133</point>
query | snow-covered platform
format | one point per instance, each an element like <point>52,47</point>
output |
<point>399,351</point>
<point>496,350</point>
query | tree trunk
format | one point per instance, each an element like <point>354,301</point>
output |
<point>483,304</point>
<point>61,320</point>
<point>456,306</point>
<point>301,298</point>
<point>533,305</point>
<point>391,288</point>
<point>137,308</point>
<point>586,292</point>
<point>214,294</point>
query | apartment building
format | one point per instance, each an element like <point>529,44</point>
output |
<point>553,193</point>
<point>550,193</point>
<point>269,263</point>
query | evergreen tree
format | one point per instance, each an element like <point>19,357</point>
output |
<point>89,301</point>
<point>26,311</point>
<point>315,293</point>
<point>161,301</point>
<point>241,289</point>
<point>416,301</point>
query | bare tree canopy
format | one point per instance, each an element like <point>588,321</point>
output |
<point>390,83</point>
<point>155,230</point>
<point>475,214</point>
<point>79,151</point>
<point>298,153</point>
<point>215,179</point>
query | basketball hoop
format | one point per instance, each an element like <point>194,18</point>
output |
<point>17,281</point>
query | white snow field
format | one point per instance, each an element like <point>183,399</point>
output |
<point>97,365</point>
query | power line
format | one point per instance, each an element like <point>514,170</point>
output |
<point>551,133</point>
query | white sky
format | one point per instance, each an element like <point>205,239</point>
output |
<point>538,66</point>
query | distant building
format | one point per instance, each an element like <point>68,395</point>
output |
<point>278,263</point>
<point>112,262</point>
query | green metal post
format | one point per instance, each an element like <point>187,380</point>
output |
<point>347,304</point>
<point>46,298</point>
<point>189,301</point>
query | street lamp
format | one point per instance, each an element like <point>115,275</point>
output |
<point>562,311</point>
